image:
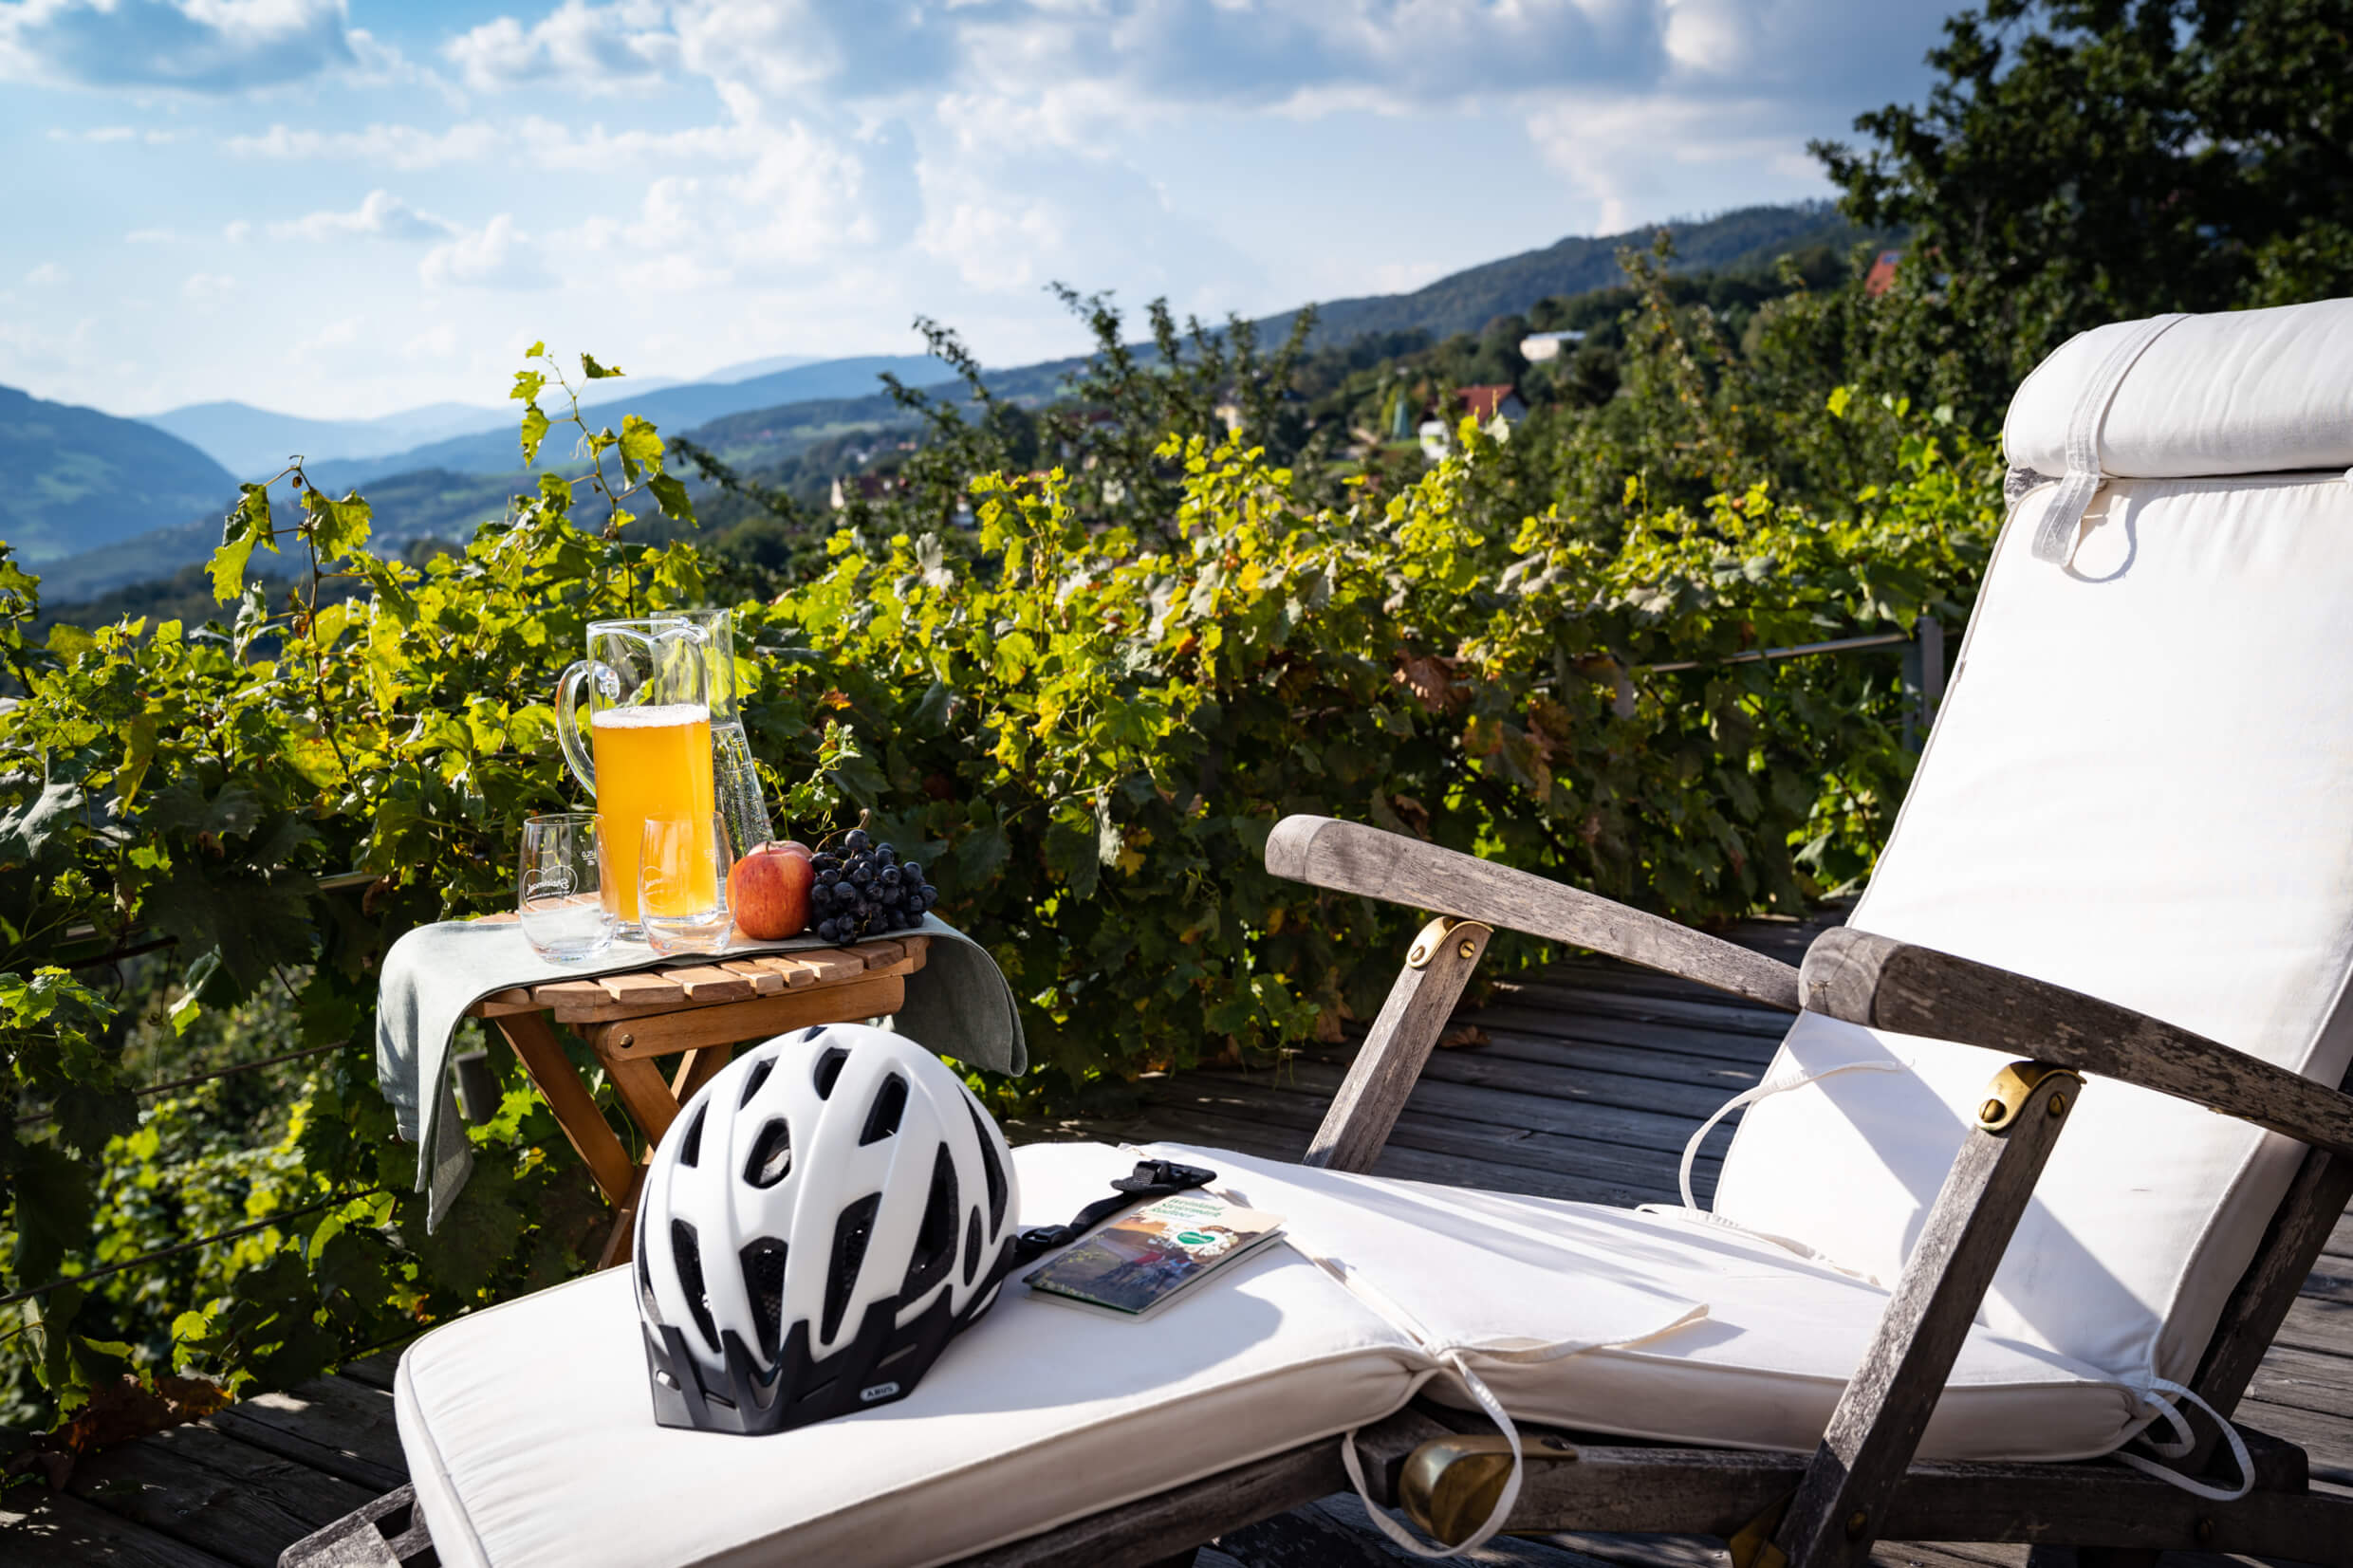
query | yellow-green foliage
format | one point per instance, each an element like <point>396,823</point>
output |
<point>1084,732</point>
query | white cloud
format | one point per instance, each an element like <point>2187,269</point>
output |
<point>598,48</point>
<point>803,175</point>
<point>47,275</point>
<point>194,46</point>
<point>497,255</point>
<point>382,215</point>
<point>436,343</point>
<point>1644,157</point>
<point>795,203</point>
<point>117,133</point>
<point>990,245</point>
<point>400,146</point>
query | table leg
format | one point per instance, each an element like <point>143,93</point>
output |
<point>698,1067</point>
<point>542,1055</point>
<point>643,1092</point>
<point>619,1240</point>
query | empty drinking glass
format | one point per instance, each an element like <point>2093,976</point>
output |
<point>683,867</point>
<point>559,890</point>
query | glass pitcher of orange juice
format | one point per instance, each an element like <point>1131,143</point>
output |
<point>648,752</point>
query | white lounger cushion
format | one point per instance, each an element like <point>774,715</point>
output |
<point>2244,391</point>
<point>2140,785</point>
<point>530,1439</point>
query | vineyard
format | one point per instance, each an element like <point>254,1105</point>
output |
<point>1082,726</point>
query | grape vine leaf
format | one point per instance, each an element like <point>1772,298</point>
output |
<point>253,921</point>
<point>534,431</point>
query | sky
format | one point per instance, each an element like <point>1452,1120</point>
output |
<point>344,208</point>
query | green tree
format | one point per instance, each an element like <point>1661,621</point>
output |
<point>2082,162</point>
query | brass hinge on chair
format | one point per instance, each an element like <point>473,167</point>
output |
<point>2008,1093</point>
<point>1752,1545</point>
<point>1433,940</point>
<point>1450,1484</point>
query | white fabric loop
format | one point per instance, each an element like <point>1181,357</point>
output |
<point>2184,1440</point>
<point>1452,1355</point>
<point>1497,1517</point>
<point>2055,540</point>
<point>1749,1096</point>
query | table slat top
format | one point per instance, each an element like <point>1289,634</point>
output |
<point>703,982</point>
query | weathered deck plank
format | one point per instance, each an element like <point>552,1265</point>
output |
<point>1592,1077</point>
<point>338,1425</point>
<point>201,1486</point>
<point>52,1530</point>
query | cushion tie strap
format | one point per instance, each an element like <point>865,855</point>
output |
<point>1150,1179</point>
<point>1497,1517</point>
<point>1749,1096</point>
<point>2183,1441</point>
<point>1449,1354</point>
<point>2055,540</point>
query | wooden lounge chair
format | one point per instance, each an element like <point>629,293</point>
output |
<point>1981,1228</point>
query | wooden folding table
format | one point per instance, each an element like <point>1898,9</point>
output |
<point>698,1011</point>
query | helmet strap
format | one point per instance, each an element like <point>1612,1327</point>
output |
<point>1150,1179</point>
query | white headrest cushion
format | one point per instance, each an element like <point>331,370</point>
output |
<point>2243,392</point>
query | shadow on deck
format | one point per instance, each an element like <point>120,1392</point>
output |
<point>1591,1077</point>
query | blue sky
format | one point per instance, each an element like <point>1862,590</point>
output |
<point>341,208</point>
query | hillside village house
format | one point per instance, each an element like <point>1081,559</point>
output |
<point>1486,403</point>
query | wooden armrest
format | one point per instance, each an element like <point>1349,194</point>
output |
<point>1350,858</point>
<point>1877,981</point>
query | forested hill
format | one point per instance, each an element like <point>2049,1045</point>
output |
<point>1745,240</point>
<point>87,480</point>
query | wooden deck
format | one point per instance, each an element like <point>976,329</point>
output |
<point>1591,1077</point>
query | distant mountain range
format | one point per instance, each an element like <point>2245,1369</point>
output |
<point>112,501</point>
<point>81,478</point>
<point>1748,239</point>
<point>255,443</point>
<point>496,449</point>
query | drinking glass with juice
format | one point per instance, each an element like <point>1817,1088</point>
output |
<point>648,754</point>
<point>653,763</point>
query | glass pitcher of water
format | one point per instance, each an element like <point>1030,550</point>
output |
<point>648,754</point>
<point>742,802</point>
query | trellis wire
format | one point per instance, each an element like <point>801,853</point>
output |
<point>203,1077</point>
<point>176,1249</point>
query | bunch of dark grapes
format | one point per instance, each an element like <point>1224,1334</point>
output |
<point>864,889</point>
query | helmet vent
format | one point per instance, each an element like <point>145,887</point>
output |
<point>770,1160</point>
<point>850,1235</point>
<point>972,1247</point>
<point>691,1146</point>
<point>763,1284</point>
<point>935,1238</point>
<point>689,1253</point>
<point>829,1064</point>
<point>755,1077</point>
<point>989,1168</point>
<point>645,1268</point>
<point>890,1103</point>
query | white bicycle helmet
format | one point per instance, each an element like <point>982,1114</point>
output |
<point>821,1218</point>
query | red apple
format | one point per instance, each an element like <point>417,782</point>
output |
<point>768,890</point>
